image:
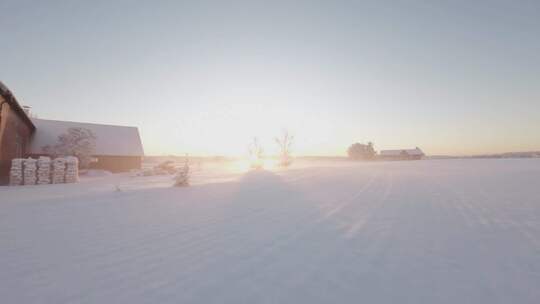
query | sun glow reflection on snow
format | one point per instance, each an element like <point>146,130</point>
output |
<point>247,164</point>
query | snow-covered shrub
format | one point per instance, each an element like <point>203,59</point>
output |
<point>181,179</point>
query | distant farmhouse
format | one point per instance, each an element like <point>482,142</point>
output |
<point>407,154</point>
<point>117,149</point>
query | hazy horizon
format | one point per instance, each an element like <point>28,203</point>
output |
<point>204,78</point>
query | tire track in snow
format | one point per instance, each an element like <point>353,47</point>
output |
<point>336,207</point>
<point>359,223</point>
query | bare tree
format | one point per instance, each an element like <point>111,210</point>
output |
<point>255,154</point>
<point>78,142</point>
<point>285,142</point>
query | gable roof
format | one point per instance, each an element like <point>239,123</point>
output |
<point>14,104</point>
<point>110,140</point>
<point>411,152</point>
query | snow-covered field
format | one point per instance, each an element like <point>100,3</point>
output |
<point>440,231</point>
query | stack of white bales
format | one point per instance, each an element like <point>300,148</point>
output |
<point>30,168</point>
<point>44,170</point>
<point>72,170</point>
<point>16,172</point>
<point>59,170</point>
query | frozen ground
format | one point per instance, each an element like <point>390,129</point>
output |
<point>442,231</point>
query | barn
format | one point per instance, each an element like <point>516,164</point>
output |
<point>405,154</point>
<point>16,130</point>
<point>117,149</point>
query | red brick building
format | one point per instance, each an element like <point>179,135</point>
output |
<point>16,130</point>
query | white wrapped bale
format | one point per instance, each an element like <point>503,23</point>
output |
<point>16,172</point>
<point>72,169</point>
<point>29,171</point>
<point>44,171</point>
<point>59,170</point>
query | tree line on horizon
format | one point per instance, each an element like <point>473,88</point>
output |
<point>358,151</point>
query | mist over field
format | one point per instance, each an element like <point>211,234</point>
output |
<point>439,231</point>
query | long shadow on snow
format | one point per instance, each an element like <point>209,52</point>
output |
<point>265,213</point>
<point>271,239</point>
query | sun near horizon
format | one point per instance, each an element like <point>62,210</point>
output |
<point>205,79</point>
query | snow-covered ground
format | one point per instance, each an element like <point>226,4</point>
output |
<point>440,231</point>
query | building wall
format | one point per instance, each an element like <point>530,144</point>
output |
<point>401,157</point>
<point>14,138</point>
<point>117,163</point>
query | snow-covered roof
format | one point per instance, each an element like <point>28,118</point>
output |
<point>412,152</point>
<point>14,104</point>
<point>110,140</point>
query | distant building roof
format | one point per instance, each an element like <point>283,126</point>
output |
<point>411,152</point>
<point>110,140</point>
<point>14,104</point>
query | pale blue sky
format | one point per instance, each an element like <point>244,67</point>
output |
<point>203,77</point>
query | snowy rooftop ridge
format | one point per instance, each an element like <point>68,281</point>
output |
<point>412,152</point>
<point>110,140</point>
